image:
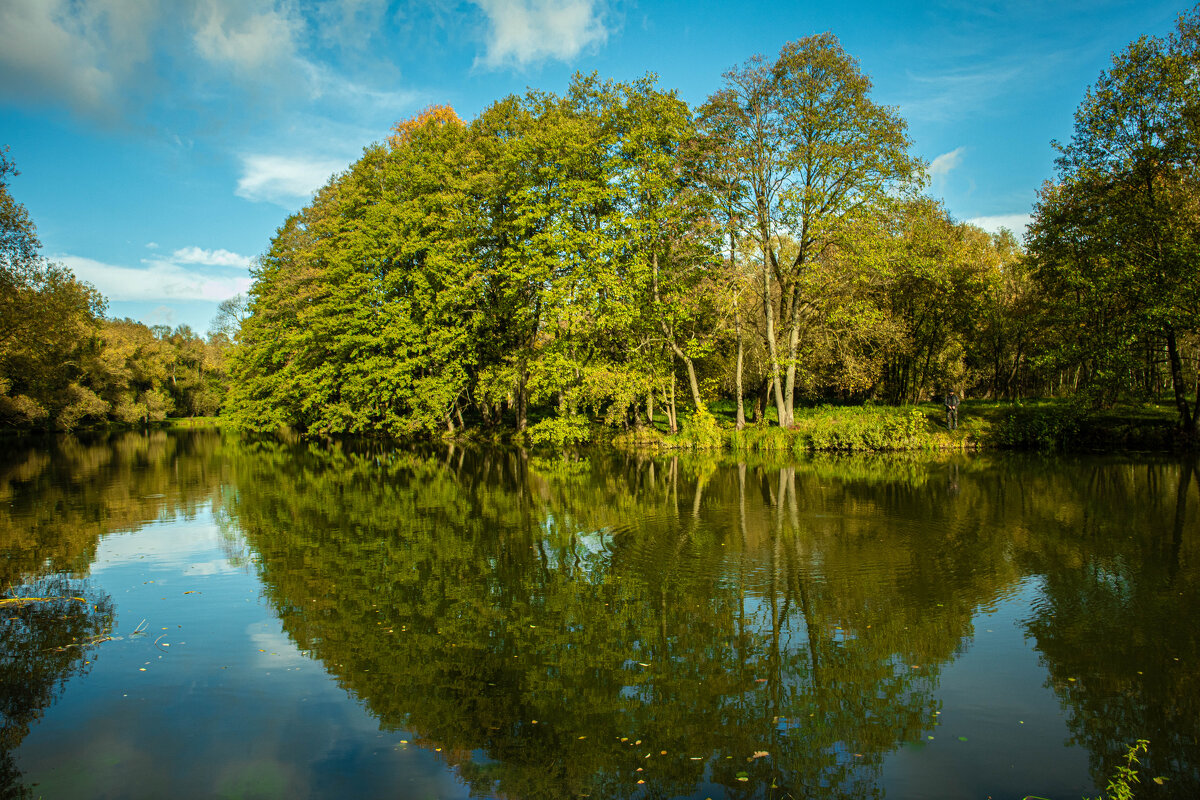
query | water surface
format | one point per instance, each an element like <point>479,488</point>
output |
<point>218,618</point>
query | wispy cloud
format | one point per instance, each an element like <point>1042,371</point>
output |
<point>521,32</point>
<point>946,163</point>
<point>283,180</point>
<point>939,97</point>
<point>156,279</point>
<point>1014,222</point>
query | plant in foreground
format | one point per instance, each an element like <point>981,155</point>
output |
<point>1125,777</point>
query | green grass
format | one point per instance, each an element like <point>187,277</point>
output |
<point>193,422</point>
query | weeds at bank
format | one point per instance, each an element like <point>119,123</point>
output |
<point>833,429</point>
<point>1044,425</point>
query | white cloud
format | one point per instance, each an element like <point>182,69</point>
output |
<point>944,164</point>
<point>247,38</point>
<point>78,54</point>
<point>521,32</point>
<point>212,258</point>
<point>155,280</point>
<point>283,180</point>
<point>1014,222</point>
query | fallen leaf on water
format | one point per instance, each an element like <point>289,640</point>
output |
<point>193,591</point>
<point>761,754</point>
<point>962,738</point>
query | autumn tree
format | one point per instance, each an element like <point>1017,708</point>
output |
<point>47,325</point>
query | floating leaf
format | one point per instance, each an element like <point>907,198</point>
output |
<point>962,738</point>
<point>760,754</point>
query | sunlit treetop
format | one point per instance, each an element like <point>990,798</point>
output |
<point>440,116</point>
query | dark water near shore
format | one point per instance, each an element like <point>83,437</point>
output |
<point>226,619</point>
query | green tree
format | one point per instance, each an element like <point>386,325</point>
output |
<point>1116,239</point>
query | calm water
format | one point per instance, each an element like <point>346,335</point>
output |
<point>321,620</point>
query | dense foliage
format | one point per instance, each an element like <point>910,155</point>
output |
<point>562,260</point>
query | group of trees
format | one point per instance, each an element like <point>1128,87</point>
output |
<point>63,364</point>
<point>1116,239</point>
<point>564,258</point>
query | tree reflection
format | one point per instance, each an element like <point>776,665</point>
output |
<point>569,627</point>
<point>1116,625</point>
<point>48,628</point>
<point>60,496</point>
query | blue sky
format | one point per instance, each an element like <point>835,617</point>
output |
<point>161,142</point>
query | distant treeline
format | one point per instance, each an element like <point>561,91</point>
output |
<point>63,365</point>
<point>612,256</point>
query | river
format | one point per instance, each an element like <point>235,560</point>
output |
<point>188,614</point>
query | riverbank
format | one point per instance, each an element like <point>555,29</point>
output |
<point>1036,425</point>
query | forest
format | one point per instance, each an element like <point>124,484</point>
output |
<point>613,258</point>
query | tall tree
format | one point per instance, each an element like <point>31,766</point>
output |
<point>816,154</point>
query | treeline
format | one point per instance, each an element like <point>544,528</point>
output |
<point>63,365</point>
<point>614,255</point>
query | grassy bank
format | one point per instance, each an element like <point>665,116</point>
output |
<point>1037,425</point>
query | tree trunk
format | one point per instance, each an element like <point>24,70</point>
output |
<point>672,418</point>
<point>741,405</point>
<point>789,396</point>
<point>650,407</point>
<point>1187,415</point>
<point>693,383</point>
<point>769,318</point>
<point>522,398</point>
